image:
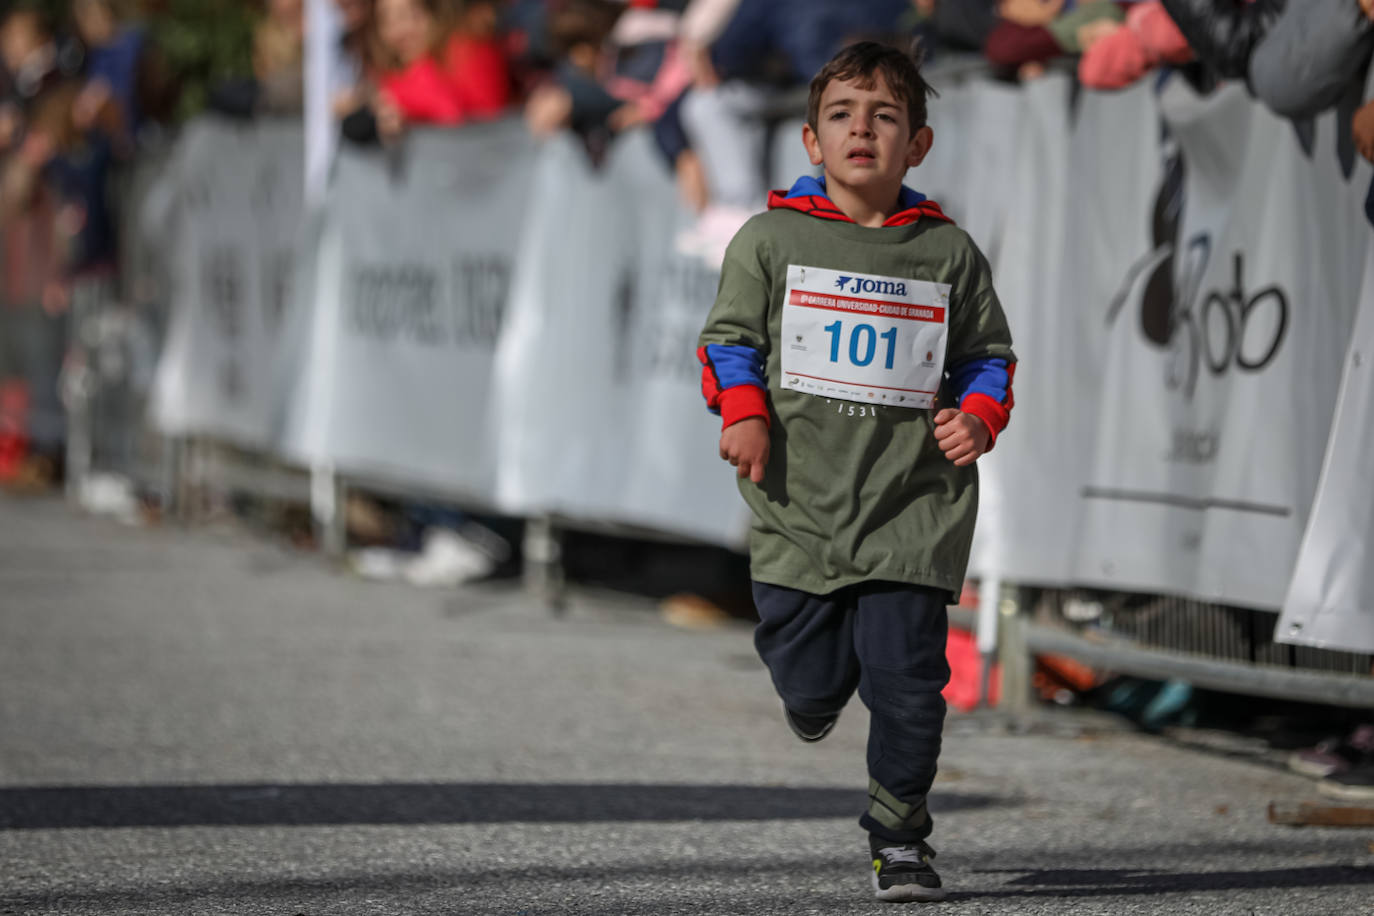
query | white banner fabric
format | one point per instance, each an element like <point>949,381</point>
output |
<point>411,275</point>
<point>230,252</point>
<point>231,260</point>
<point>1330,603</point>
<point>1204,466</point>
<point>598,389</point>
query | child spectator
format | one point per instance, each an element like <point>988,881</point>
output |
<point>33,249</point>
<point>620,68</point>
<point>842,311</point>
<point>114,53</point>
<point>764,50</point>
<point>576,97</point>
<point>1020,44</point>
<point>356,57</point>
<point>962,25</point>
<point>1121,55</point>
<point>441,73</point>
<point>277,84</point>
<point>279,57</point>
<point>1031,33</point>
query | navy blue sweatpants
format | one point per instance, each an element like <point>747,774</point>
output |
<point>887,640</point>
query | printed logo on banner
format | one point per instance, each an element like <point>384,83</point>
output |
<point>1237,328</point>
<point>263,198</point>
<point>404,301</point>
<point>222,284</point>
<point>397,302</point>
<point>481,287</point>
<point>278,271</point>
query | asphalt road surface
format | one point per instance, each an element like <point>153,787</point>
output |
<point>201,721</point>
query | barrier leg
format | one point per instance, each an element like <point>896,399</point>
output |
<point>78,458</point>
<point>543,572</point>
<point>169,480</point>
<point>328,499</point>
<point>186,483</point>
<point>989,608</point>
<point>1015,654</point>
<point>77,384</point>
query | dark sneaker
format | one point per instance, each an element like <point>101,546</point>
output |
<point>902,873</point>
<point>1355,784</point>
<point>809,728</point>
<point>1334,755</point>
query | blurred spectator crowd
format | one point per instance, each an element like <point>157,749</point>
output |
<point>86,83</point>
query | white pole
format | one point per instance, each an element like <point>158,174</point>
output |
<point>322,35</point>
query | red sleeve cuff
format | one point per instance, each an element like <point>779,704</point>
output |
<point>993,414</point>
<point>742,402</point>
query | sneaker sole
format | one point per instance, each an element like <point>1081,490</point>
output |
<point>1309,768</point>
<point>811,738</point>
<point>1342,792</point>
<point>907,893</point>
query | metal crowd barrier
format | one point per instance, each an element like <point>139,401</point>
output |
<point>118,330</point>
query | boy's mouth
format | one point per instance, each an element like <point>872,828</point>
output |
<point>860,154</point>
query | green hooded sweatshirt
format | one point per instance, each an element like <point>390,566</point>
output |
<point>856,487</point>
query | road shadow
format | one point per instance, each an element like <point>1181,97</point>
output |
<point>1118,882</point>
<point>762,885</point>
<point>47,808</point>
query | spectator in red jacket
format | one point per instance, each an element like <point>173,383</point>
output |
<point>439,74</point>
<point>475,62</point>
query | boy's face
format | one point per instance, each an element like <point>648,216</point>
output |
<point>863,137</point>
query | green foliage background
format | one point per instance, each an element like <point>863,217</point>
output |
<point>203,42</point>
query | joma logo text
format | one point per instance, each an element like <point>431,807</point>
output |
<point>882,287</point>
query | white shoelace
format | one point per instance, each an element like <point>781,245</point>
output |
<point>910,854</point>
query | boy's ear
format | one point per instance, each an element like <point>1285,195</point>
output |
<point>920,145</point>
<point>813,144</point>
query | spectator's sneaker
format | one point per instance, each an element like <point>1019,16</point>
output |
<point>708,238</point>
<point>1355,784</point>
<point>1335,755</point>
<point>809,728</point>
<point>902,873</point>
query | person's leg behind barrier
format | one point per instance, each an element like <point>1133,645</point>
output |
<point>807,642</point>
<point>726,127</point>
<point>899,638</point>
<point>43,343</point>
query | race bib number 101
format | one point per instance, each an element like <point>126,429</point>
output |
<point>861,337</point>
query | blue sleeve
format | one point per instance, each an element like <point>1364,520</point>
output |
<point>729,367</point>
<point>980,376</point>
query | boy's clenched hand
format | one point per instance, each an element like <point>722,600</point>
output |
<point>745,445</point>
<point>961,436</point>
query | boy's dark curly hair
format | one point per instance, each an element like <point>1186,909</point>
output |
<point>864,62</point>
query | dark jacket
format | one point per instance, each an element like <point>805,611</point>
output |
<point>1310,57</point>
<point>965,24</point>
<point>804,33</point>
<point>1224,33</point>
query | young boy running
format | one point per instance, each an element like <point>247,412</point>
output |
<point>861,363</point>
